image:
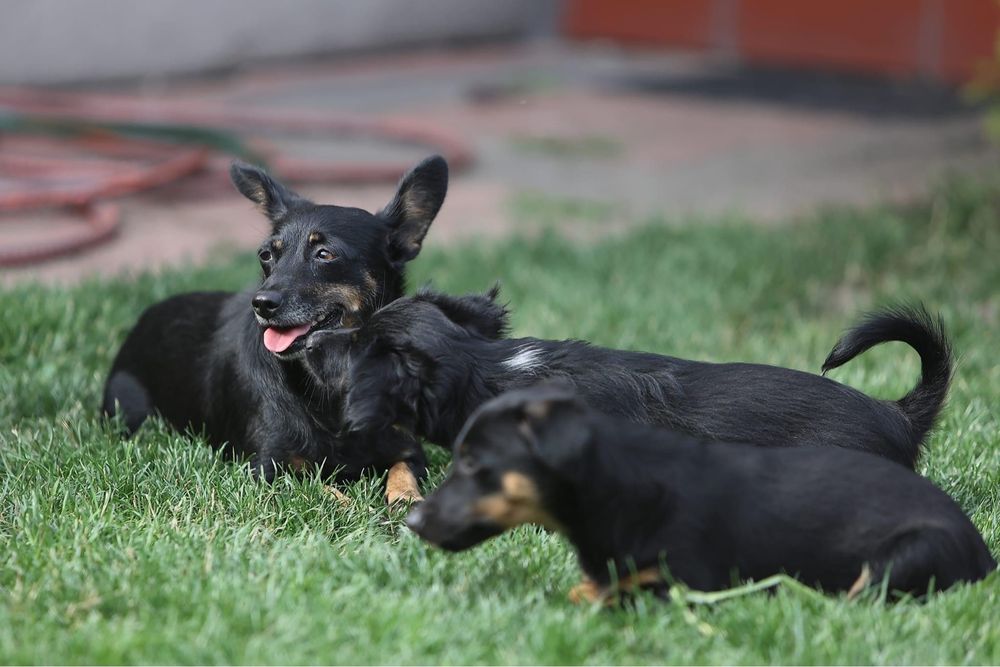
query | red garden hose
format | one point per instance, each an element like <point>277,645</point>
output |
<point>80,171</point>
<point>43,173</point>
<point>101,221</point>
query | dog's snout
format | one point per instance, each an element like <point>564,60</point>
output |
<point>315,340</point>
<point>415,519</point>
<point>267,302</point>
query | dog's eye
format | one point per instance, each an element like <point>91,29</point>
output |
<point>265,255</point>
<point>324,255</point>
<point>468,465</point>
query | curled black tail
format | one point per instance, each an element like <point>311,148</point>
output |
<point>916,327</point>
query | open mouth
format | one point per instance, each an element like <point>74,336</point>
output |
<point>282,340</point>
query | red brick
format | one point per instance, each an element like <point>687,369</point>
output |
<point>968,37</point>
<point>684,23</point>
<point>870,35</point>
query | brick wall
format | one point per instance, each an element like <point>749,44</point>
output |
<point>938,39</point>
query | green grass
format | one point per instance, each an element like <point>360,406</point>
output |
<point>586,147</point>
<point>155,551</point>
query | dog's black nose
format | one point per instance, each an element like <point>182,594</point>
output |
<point>266,303</point>
<point>315,340</point>
<point>415,519</point>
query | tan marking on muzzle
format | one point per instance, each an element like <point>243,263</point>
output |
<point>347,295</point>
<point>401,485</point>
<point>518,502</point>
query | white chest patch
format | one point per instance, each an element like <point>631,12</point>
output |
<point>527,358</point>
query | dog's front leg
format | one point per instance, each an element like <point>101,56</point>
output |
<point>589,591</point>
<point>400,451</point>
<point>272,446</point>
<point>401,485</point>
<point>263,468</point>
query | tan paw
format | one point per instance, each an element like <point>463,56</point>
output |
<point>401,486</point>
<point>586,592</point>
<point>861,583</point>
<point>339,496</point>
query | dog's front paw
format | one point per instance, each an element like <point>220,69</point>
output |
<point>401,485</point>
<point>342,498</point>
<point>263,469</point>
<point>587,592</point>
<point>861,583</point>
<point>406,498</point>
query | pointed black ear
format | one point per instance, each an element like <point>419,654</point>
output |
<point>477,313</point>
<point>272,198</point>
<point>554,426</point>
<point>539,403</point>
<point>411,211</point>
<point>385,392</point>
<point>327,353</point>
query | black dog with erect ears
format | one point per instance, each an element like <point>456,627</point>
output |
<point>645,506</point>
<point>425,363</point>
<point>230,365</point>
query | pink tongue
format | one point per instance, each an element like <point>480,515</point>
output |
<point>279,340</point>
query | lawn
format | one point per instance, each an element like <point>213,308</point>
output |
<point>154,550</point>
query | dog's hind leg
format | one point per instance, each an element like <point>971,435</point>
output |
<point>125,395</point>
<point>917,560</point>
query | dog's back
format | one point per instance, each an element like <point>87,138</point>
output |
<point>759,404</point>
<point>459,367</point>
<point>774,406</point>
<point>823,514</point>
<point>161,365</point>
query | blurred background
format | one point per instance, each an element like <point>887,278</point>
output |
<point>118,119</point>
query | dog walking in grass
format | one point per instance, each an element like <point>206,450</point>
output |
<point>423,364</point>
<point>230,365</point>
<point>645,506</point>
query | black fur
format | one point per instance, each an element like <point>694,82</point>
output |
<point>199,359</point>
<point>925,334</point>
<point>634,498</point>
<point>418,364</point>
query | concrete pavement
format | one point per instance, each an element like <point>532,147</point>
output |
<point>637,134</point>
